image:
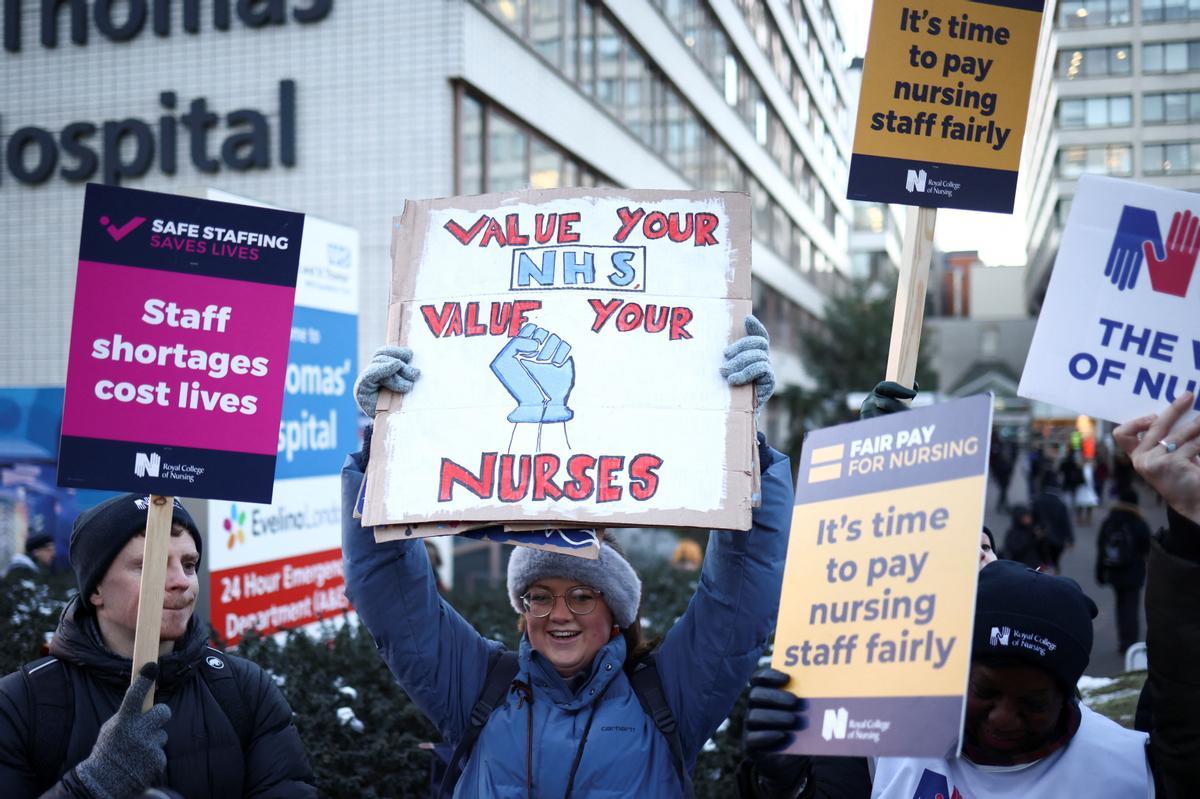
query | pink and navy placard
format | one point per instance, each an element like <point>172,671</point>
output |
<point>179,345</point>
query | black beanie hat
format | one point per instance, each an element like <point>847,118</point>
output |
<point>1039,618</point>
<point>99,533</point>
<point>37,541</point>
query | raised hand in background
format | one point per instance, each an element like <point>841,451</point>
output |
<point>536,368</point>
<point>1172,272</point>
<point>1138,226</point>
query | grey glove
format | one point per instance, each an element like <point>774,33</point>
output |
<point>887,397</point>
<point>390,368</point>
<point>748,360</point>
<point>128,756</point>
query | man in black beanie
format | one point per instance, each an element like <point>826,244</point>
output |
<point>221,728</point>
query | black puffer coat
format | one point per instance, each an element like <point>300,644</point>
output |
<point>205,759</point>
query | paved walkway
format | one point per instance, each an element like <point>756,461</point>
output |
<point>1079,563</point>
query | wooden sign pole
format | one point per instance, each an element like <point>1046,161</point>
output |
<point>154,578</point>
<point>910,295</point>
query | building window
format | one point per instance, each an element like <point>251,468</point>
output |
<point>470,153</point>
<point>547,30</point>
<point>608,64</point>
<point>1171,158</point>
<point>1170,10</point>
<point>512,13</point>
<point>508,154</point>
<point>869,217</point>
<point>1095,62</point>
<point>1164,57</point>
<point>582,40</point>
<point>1165,108</point>
<point>497,152</point>
<point>1093,13</point>
<point>1111,111</point>
<point>1103,159</point>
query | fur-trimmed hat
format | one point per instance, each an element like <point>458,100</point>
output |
<point>610,574</point>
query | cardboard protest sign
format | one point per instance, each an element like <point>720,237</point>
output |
<point>179,343</point>
<point>569,343</point>
<point>879,587</point>
<point>1118,336</point>
<point>944,99</point>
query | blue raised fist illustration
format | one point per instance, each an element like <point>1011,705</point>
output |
<point>1137,225</point>
<point>536,368</point>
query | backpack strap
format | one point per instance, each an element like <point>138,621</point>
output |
<point>503,666</point>
<point>223,684</point>
<point>51,698</point>
<point>647,684</point>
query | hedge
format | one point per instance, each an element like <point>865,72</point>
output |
<point>362,733</point>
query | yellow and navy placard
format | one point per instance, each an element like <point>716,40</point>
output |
<point>945,96</point>
<point>879,588</point>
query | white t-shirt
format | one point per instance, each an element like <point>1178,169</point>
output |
<point>1102,761</point>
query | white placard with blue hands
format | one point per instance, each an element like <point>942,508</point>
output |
<point>1119,331</point>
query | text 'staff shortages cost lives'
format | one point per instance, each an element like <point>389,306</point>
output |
<point>878,595</point>
<point>945,96</point>
<point>179,345</point>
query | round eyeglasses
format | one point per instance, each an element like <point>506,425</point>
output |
<point>581,600</point>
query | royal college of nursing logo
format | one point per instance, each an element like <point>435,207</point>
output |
<point>834,723</point>
<point>147,464</point>
<point>915,180</point>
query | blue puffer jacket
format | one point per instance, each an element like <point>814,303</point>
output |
<point>705,661</point>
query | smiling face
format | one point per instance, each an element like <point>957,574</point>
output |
<point>1011,710</point>
<point>569,641</point>
<point>116,596</point>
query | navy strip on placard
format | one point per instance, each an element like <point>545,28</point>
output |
<point>1022,5</point>
<point>958,448</point>
<point>182,471</point>
<point>886,726</point>
<point>877,179</point>
<point>111,234</point>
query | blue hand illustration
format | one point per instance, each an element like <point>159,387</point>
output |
<point>536,369</point>
<point>1124,264</point>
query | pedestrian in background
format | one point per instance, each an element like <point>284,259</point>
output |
<point>1053,520</point>
<point>37,560</point>
<point>1070,477</point>
<point>1100,475</point>
<point>1121,548</point>
<point>1000,466</point>
<point>1086,497</point>
<point>1022,542</point>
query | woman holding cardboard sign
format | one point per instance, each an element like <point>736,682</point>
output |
<point>577,713</point>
